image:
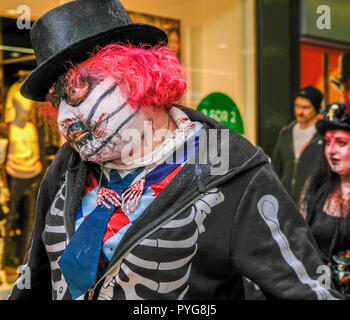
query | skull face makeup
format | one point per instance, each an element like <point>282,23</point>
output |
<point>94,122</point>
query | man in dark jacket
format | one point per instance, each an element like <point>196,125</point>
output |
<point>183,219</point>
<point>298,149</point>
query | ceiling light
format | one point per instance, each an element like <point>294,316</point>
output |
<point>11,12</point>
<point>222,45</point>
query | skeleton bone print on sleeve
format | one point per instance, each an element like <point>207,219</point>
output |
<point>55,240</point>
<point>147,273</point>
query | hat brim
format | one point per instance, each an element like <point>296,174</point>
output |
<point>40,80</point>
<point>322,126</point>
<point>336,82</point>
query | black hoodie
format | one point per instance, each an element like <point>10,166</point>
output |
<point>196,240</point>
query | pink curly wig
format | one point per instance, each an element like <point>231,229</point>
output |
<point>148,76</point>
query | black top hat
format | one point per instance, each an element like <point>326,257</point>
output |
<point>336,116</point>
<point>344,70</point>
<point>69,32</point>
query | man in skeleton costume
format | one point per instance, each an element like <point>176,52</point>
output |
<point>149,199</point>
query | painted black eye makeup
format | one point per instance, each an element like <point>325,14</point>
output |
<point>72,96</point>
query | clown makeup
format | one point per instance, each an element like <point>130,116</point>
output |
<point>337,151</point>
<point>94,123</point>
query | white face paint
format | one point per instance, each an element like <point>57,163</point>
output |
<point>95,127</point>
<point>337,151</point>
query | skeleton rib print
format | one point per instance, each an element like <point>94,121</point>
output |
<point>55,240</point>
<point>160,266</point>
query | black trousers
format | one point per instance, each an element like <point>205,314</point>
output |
<point>23,193</point>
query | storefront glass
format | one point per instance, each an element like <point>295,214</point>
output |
<point>217,46</point>
<point>325,49</point>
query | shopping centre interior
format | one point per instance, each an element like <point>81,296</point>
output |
<point>253,54</point>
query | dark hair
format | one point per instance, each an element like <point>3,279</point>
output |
<point>322,183</point>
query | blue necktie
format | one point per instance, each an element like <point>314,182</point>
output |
<point>79,261</point>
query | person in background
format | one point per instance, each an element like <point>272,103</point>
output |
<point>298,144</point>
<point>326,202</point>
<point>24,169</point>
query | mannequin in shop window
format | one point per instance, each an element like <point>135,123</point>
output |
<point>24,168</point>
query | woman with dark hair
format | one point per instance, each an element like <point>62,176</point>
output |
<point>325,204</point>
